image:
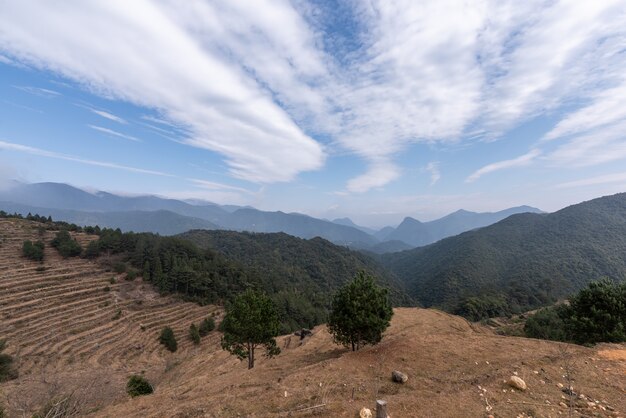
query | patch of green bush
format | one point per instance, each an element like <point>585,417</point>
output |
<point>138,386</point>
<point>66,245</point>
<point>194,334</point>
<point>33,250</point>
<point>207,325</point>
<point>595,314</point>
<point>168,339</point>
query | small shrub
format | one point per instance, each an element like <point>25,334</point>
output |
<point>92,250</point>
<point>40,269</point>
<point>138,386</point>
<point>7,371</point>
<point>194,334</point>
<point>207,325</point>
<point>107,289</point>
<point>119,268</point>
<point>33,251</point>
<point>117,315</point>
<point>131,275</point>
<point>112,280</point>
<point>66,245</point>
<point>168,339</point>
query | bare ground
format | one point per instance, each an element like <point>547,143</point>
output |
<point>60,327</point>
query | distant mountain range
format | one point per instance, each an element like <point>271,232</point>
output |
<point>170,216</point>
<point>522,262</point>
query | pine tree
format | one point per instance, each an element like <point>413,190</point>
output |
<point>251,321</point>
<point>360,313</point>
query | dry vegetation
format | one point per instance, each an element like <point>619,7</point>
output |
<point>74,330</point>
<point>60,329</point>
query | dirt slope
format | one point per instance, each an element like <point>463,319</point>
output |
<point>71,329</point>
<point>60,326</point>
<point>455,370</point>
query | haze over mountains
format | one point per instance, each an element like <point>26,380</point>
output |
<point>170,216</point>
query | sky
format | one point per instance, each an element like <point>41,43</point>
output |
<point>372,109</point>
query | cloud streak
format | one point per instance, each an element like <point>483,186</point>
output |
<point>257,82</point>
<point>114,133</point>
<point>520,161</point>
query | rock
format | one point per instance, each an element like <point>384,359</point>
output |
<point>365,413</point>
<point>399,377</point>
<point>517,383</point>
<point>562,405</point>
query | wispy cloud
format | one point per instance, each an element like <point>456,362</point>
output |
<point>60,156</point>
<point>433,169</point>
<point>521,161</point>
<point>257,81</point>
<point>39,91</point>
<point>114,133</point>
<point>596,147</point>
<point>193,84</point>
<point>594,181</point>
<point>109,116</point>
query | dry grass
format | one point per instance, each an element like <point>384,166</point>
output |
<point>58,324</point>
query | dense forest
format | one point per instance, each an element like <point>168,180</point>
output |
<point>299,275</point>
<point>520,263</point>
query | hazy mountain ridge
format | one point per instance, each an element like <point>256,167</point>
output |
<point>417,234</point>
<point>68,203</point>
<point>526,259</point>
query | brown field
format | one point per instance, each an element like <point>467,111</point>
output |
<point>62,328</point>
<point>59,326</point>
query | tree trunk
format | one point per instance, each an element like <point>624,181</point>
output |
<point>250,356</point>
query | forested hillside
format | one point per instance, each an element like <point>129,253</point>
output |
<point>299,273</point>
<point>522,262</point>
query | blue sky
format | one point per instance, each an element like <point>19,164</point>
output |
<point>374,110</point>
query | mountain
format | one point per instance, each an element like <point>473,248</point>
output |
<point>350,223</point>
<point>412,232</point>
<point>383,233</point>
<point>521,262</point>
<point>416,233</point>
<point>57,199</point>
<point>160,221</point>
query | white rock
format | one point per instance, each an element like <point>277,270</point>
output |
<point>365,413</point>
<point>517,383</point>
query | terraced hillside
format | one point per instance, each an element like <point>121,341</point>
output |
<point>74,326</point>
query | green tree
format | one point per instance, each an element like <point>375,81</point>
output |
<point>168,339</point>
<point>207,325</point>
<point>251,321</point>
<point>33,251</point>
<point>599,313</point>
<point>360,313</point>
<point>194,334</point>
<point>138,385</point>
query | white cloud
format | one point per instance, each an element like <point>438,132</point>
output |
<point>59,156</point>
<point>380,173</point>
<point>138,53</point>
<point>433,168</point>
<point>248,79</point>
<point>39,91</point>
<point>596,147</point>
<point>607,107</point>
<point>521,161</point>
<point>114,133</point>
<point>594,181</point>
<point>109,116</point>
